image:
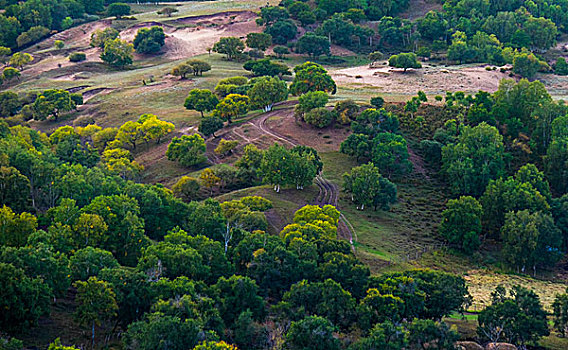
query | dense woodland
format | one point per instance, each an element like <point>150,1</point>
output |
<point>149,266</point>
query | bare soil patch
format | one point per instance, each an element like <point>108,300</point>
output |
<point>323,140</point>
<point>430,79</point>
<point>192,36</point>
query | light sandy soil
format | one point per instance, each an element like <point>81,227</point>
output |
<point>185,37</point>
<point>432,80</point>
<point>192,36</point>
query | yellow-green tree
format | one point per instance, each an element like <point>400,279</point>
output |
<point>209,179</point>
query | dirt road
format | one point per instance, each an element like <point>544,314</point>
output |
<point>328,192</point>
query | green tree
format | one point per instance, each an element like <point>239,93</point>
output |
<point>282,31</point>
<point>9,103</point>
<point>271,14</point>
<point>23,299</point>
<point>93,6</point>
<point>172,260</point>
<point>188,150</point>
<point>232,47</point>
<point>125,238</point>
<point>518,319</point>
<point>530,240</point>
<point>182,70</point>
<point>118,9</point>
<point>556,165</point>
<point>199,66</point>
<point>259,41</point>
<point>14,189</point>
<point>226,147</point>
<point>232,106</point>
<point>157,331</point>
<point>506,195</point>
<point>168,11</point>
<point>390,153</point>
<point>89,261</point>
<point>461,223</point>
<point>313,332</point>
<point>561,67</point>
<point>96,303</point>
<point>266,92</point>
<point>319,117</point>
<point>237,294</point>
<point>311,77</point>
<point>327,299</point>
<point>542,32</point>
<point>20,59</point>
<point>526,65</point>
<point>89,230</point>
<point>187,188</point>
<point>314,45</point>
<point>309,101</point>
<point>51,103</point>
<point>5,53</point>
<point>209,179</point>
<point>117,53</point>
<point>274,166</point>
<point>404,61</point>
<point>201,100</point>
<point>100,37</point>
<point>149,40</point>
<point>208,126</point>
<point>280,51</point>
<point>476,158</point>
<point>356,145</point>
<point>266,67</point>
<point>34,34</point>
<point>368,187</point>
<point>423,332</point>
<point>15,228</point>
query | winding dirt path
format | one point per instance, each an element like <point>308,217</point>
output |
<point>328,191</point>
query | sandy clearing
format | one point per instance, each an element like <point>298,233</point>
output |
<point>199,33</point>
<point>432,80</point>
<point>188,37</point>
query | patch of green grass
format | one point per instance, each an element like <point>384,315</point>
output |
<point>554,342</point>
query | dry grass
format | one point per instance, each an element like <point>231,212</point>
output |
<point>482,283</point>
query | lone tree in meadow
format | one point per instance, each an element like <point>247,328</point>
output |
<point>404,61</point>
<point>168,11</point>
<point>20,59</point>
<point>118,9</point>
<point>117,53</point>
<point>149,40</point>
<point>230,46</point>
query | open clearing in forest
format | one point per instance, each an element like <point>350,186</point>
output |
<point>397,86</point>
